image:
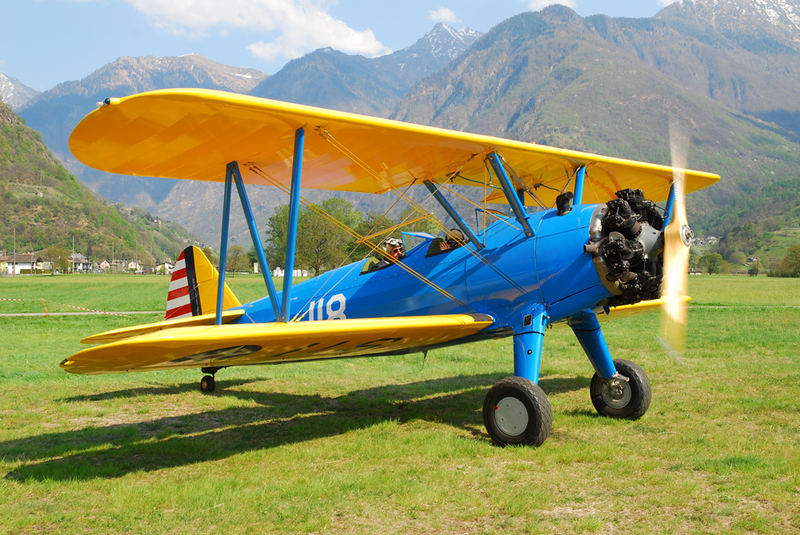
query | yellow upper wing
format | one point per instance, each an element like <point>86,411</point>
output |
<point>194,133</point>
<point>264,343</point>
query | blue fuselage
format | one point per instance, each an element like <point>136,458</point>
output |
<point>504,279</point>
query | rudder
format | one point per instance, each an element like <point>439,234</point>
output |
<point>193,287</point>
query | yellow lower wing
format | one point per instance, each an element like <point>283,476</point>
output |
<point>264,343</point>
<point>636,308</point>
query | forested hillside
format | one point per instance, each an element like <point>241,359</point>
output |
<point>43,205</point>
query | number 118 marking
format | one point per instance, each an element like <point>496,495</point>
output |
<point>333,309</point>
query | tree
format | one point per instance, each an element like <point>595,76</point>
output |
<point>790,265</point>
<point>712,262</point>
<point>237,259</point>
<point>428,224</point>
<point>737,257</point>
<point>211,255</point>
<point>321,243</point>
<point>252,256</point>
<point>58,257</point>
<point>370,225</point>
<point>694,262</point>
<point>275,244</point>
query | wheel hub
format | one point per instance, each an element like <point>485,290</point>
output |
<point>511,416</point>
<point>617,392</point>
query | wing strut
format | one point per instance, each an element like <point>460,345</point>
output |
<point>580,179</point>
<point>294,208</point>
<point>232,174</point>
<point>669,207</point>
<point>223,245</point>
<point>453,214</point>
<point>511,195</point>
<point>233,167</point>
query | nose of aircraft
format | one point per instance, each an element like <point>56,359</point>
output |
<point>627,244</point>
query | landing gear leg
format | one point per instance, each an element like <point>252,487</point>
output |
<point>620,388</point>
<point>207,383</point>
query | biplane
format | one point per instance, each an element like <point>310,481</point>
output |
<point>579,236</point>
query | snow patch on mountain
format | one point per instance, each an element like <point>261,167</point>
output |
<point>14,93</point>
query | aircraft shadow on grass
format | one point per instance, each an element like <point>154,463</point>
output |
<point>154,390</point>
<point>115,450</point>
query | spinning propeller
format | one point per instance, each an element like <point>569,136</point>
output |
<point>677,239</point>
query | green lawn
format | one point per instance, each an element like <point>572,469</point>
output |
<point>396,444</point>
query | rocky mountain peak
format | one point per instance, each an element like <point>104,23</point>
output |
<point>754,17</point>
<point>13,92</point>
<point>430,53</point>
<point>151,72</point>
<point>444,41</point>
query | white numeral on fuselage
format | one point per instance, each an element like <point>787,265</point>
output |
<point>334,309</point>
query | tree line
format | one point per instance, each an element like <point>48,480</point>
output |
<point>747,248</point>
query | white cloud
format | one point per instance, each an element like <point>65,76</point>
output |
<point>302,25</point>
<point>443,14</point>
<point>538,5</point>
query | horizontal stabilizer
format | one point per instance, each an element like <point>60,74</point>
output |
<point>128,332</point>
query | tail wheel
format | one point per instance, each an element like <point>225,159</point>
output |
<point>207,384</point>
<point>626,395</point>
<point>516,411</point>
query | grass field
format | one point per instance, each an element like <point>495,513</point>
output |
<point>397,445</point>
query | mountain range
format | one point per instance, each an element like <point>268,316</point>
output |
<point>727,71</point>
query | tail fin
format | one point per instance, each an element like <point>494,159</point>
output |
<point>193,287</point>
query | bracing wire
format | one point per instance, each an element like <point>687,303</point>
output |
<point>374,248</point>
<point>402,194</point>
<point>521,183</point>
<point>416,206</point>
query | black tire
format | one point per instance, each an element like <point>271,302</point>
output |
<point>207,384</point>
<point>631,402</point>
<point>517,411</point>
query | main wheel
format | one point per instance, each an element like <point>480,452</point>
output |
<point>207,384</point>
<point>621,399</point>
<point>516,411</point>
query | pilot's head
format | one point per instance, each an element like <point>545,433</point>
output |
<point>455,237</point>
<point>393,248</point>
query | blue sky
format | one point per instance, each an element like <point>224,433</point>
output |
<point>44,42</point>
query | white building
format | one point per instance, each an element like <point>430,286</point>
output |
<point>22,263</point>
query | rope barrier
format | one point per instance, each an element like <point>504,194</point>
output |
<point>76,307</point>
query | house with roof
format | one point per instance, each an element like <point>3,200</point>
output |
<point>164,268</point>
<point>80,264</point>
<point>22,263</point>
